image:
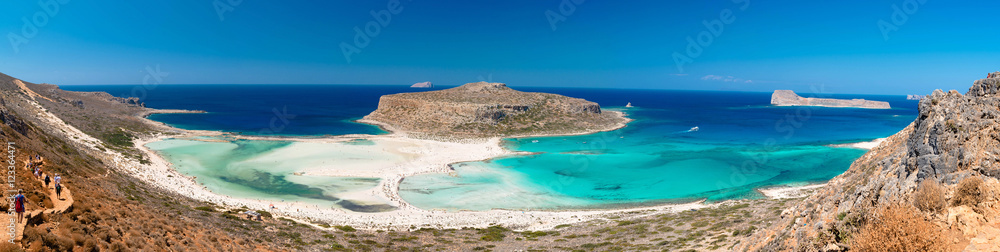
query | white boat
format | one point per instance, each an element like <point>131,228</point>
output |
<point>694,129</point>
<point>629,105</point>
<point>534,141</point>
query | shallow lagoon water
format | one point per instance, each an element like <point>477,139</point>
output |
<point>260,169</point>
<point>743,143</point>
<point>641,176</point>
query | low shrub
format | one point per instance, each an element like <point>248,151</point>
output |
<point>6,246</point>
<point>493,233</point>
<point>264,214</point>
<point>929,196</point>
<point>899,227</point>
<point>969,192</point>
<point>205,208</point>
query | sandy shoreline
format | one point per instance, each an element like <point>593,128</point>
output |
<point>149,112</point>
<point>160,173</point>
<point>432,157</point>
<point>789,192</point>
<point>861,145</point>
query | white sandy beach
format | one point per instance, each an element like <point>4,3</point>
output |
<point>429,156</point>
<point>789,192</point>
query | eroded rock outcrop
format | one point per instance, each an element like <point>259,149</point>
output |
<point>491,109</point>
<point>955,136</point>
<point>131,101</point>
<point>789,98</point>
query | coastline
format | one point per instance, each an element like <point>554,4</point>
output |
<point>789,192</point>
<point>406,216</point>
<point>823,106</point>
<point>392,130</point>
<point>149,111</point>
<point>617,126</point>
<point>868,145</point>
<point>160,173</point>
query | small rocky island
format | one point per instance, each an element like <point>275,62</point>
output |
<point>789,98</point>
<point>426,84</point>
<point>490,110</point>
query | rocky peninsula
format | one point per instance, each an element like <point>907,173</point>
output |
<point>789,98</point>
<point>481,109</point>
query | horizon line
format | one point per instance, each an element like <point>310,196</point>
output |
<point>451,86</point>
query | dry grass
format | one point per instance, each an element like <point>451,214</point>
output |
<point>899,227</point>
<point>929,196</point>
<point>969,192</point>
<point>6,246</point>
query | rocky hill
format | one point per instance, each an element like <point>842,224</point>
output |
<point>110,210</point>
<point>789,98</point>
<point>930,187</point>
<point>490,109</point>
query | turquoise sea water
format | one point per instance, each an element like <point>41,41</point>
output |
<point>569,174</point>
<point>742,143</point>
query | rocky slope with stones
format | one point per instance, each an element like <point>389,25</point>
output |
<point>955,137</point>
<point>491,110</point>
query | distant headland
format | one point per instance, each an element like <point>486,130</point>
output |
<point>789,98</point>
<point>484,109</point>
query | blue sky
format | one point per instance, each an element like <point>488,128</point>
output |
<point>830,46</point>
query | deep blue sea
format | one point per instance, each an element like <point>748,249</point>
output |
<point>742,142</point>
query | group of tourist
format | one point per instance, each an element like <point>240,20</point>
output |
<point>993,75</point>
<point>35,164</point>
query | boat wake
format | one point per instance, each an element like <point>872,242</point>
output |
<point>692,129</point>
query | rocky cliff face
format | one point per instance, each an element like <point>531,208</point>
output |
<point>491,109</point>
<point>8,118</point>
<point>789,98</point>
<point>955,136</point>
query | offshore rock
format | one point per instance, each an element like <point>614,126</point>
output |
<point>789,98</point>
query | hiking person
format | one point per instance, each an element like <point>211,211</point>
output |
<point>58,191</point>
<point>19,205</point>
<point>58,179</point>
<point>47,180</point>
